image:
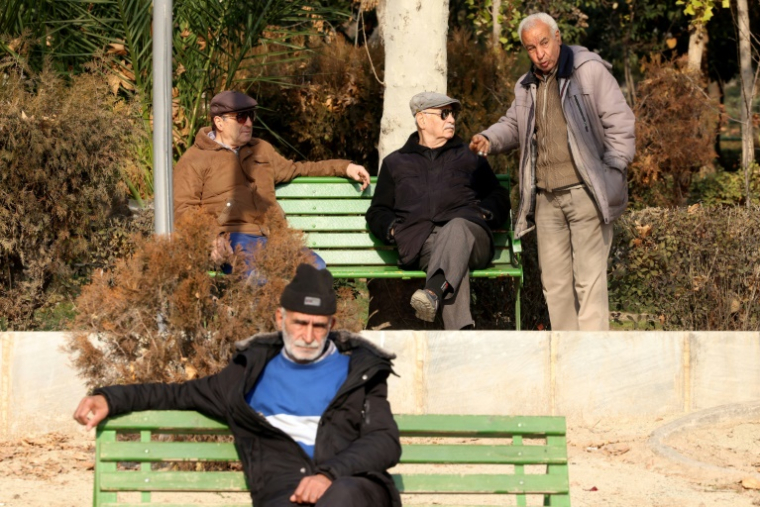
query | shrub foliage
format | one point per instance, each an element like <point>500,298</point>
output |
<point>676,124</point>
<point>159,317</point>
<point>62,207</point>
<point>695,268</point>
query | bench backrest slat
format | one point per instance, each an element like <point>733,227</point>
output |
<point>427,440</point>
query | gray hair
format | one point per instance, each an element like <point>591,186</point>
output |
<point>530,22</point>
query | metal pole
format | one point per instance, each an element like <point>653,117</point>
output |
<point>162,115</point>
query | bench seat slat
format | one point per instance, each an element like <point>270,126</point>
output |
<point>363,240</point>
<point>325,206</point>
<point>394,272</point>
<point>168,451</point>
<point>177,421</point>
<point>479,425</point>
<point>247,504</point>
<point>324,190</point>
<point>480,483</point>
<point>173,481</point>
<point>332,223</point>
<point>483,454</point>
<point>381,257</point>
<point>416,453</point>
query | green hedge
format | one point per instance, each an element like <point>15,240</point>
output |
<point>689,268</point>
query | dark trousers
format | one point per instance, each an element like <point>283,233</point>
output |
<point>456,248</point>
<point>343,492</point>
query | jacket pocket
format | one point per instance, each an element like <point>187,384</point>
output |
<point>616,186</point>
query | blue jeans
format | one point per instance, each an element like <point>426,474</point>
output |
<point>248,243</point>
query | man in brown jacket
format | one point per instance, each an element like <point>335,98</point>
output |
<point>232,175</point>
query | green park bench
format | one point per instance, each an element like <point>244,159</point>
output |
<point>524,458</point>
<point>331,213</point>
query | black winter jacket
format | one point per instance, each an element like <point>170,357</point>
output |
<point>419,188</point>
<point>357,435</point>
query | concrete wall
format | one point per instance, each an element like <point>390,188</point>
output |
<point>585,376</point>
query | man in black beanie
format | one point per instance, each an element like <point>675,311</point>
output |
<point>277,390</point>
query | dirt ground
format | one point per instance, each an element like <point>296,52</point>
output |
<point>610,465</point>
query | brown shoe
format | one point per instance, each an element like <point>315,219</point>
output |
<point>425,304</point>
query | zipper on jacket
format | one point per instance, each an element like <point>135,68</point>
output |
<point>585,124</point>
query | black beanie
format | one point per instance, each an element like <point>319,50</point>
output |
<point>310,291</point>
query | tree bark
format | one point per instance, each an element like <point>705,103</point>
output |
<point>748,86</point>
<point>697,45</point>
<point>495,8</point>
<point>414,32</point>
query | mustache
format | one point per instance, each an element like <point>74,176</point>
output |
<point>303,345</point>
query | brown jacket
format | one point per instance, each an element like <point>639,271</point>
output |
<point>238,189</point>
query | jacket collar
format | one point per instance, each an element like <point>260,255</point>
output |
<point>345,341</point>
<point>565,67</point>
<point>413,145</point>
<point>205,143</point>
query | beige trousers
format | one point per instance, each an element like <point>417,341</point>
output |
<point>573,247</point>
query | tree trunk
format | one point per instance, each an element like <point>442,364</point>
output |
<point>495,8</point>
<point>697,45</point>
<point>748,88</point>
<point>414,33</point>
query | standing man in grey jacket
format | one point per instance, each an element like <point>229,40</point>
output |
<point>576,138</point>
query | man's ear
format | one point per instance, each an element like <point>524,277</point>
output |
<point>219,123</point>
<point>278,317</point>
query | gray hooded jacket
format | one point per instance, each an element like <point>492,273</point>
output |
<point>600,131</point>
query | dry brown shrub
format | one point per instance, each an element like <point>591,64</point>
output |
<point>332,108</point>
<point>63,145</point>
<point>159,316</point>
<point>675,129</point>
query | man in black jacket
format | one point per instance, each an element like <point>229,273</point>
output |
<point>277,391</point>
<point>438,201</point>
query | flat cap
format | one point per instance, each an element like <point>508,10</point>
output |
<point>426,100</point>
<point>230,102</point>
<point>311,292</point>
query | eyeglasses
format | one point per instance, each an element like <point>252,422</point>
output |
<point>242,116</point>
<point>443,114</point>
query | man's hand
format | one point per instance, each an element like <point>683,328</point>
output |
<point>97,405</point>
<point>358,173</point>
<point>311,489</point>
<point>480,145</point>
<point>221,249</point>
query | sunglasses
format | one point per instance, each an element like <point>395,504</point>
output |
<point>242,116</point>
<point>443,114</point>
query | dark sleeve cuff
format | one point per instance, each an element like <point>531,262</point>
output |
<point>388,237</point>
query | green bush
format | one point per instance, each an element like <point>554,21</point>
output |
<point>689,269</point>
<point>726,188</point>
<point>63,209</point>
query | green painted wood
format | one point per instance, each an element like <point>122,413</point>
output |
<point>309,223</point>
<point>99,496</point>
<point>485,454</point>
<point>344,189</point>
<point>381,257</point>
<point>480,483</point>
<point>554,484</point>
<point>145,467</point>
<point>173,481</point>
<point>479,425</point>
<point>394,272</point>
<point>364,240</point>
<point>157,420</point>
<point>247,504</point>
<point>325,206</point>
<point>168,451</point>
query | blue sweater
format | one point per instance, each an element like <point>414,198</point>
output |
<point>293,397</point>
